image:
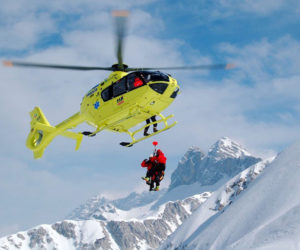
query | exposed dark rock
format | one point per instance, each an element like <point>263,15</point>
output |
<point>65,228</point>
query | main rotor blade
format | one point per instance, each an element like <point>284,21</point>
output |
<point>194,67</point>
<point>120,25</point>
<point>53,66</point>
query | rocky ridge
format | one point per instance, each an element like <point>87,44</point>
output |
<point>224,160</point>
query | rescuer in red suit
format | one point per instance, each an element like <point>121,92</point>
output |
<point>156,166</point>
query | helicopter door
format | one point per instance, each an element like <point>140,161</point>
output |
<point>119,89</point>
<point>135,83</point>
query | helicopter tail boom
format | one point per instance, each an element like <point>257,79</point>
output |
<point>42,133</point>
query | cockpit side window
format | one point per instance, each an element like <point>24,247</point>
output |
<point>107,94</point>
<point>134,81</point>
<point>119,87</point>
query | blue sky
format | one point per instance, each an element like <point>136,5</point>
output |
<point>257,104</point>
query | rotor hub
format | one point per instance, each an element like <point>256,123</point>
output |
<point>119,67</point>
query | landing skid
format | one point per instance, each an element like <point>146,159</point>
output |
<point>88,133</point>
<point>132,134</point>
<point>126,144</point>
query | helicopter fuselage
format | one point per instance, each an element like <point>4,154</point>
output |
<point>121,102</point>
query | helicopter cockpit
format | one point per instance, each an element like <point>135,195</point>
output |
<point>135,80</point>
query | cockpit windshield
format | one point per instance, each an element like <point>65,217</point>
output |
<point>154,76</point>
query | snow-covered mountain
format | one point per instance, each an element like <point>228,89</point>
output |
<point>226,148</point>
<point>138,228</point>
<point>224,160</point>
<point>144,221</point>
<point>265,216</point>
<point>101,208</point>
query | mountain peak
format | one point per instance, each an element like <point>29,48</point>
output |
<point>227,148</point>
<point>225,159</point>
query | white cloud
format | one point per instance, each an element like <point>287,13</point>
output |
<point>266,58</point>
<point>260,7</point>
<point>210,11</point>
<point>263,82</point>
<point>23,24</point>
<point>24,33</point>
<point>287,87</point>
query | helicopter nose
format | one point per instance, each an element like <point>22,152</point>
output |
<point>174,94</point>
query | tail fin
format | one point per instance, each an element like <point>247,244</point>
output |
<point>42,133</point>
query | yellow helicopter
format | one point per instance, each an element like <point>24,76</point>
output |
<point>128,97</point>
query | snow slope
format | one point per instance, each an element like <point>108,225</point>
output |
<point>265,216</point>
